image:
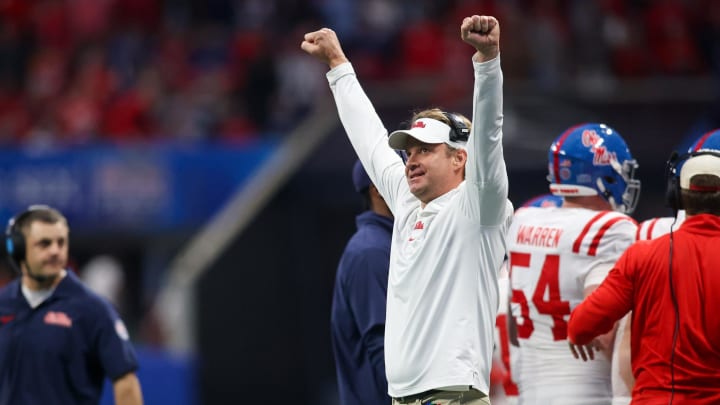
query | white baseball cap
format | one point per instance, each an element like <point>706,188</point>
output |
<point>425,130</point>
<point>702,164</point>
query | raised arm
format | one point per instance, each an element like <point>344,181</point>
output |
<point>357,114</point>
<point>485,168</point>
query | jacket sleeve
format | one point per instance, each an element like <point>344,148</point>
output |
<point>608,303</point>
<point>367,295</point>
<point>486,173</point>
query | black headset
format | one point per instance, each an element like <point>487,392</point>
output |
<point>15,239</point>
<point>459,131</point>
<point>673,197</point>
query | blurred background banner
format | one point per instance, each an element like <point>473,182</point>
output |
<point>136,188</point>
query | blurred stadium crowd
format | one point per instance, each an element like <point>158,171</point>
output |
<point>80,71</point>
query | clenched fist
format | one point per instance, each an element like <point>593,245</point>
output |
<point>483,33</point>
<point>324,45</point>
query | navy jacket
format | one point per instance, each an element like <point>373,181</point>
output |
<point>358,312</point>
<point>61,351</point>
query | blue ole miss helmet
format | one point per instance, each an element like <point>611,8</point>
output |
<point>593,159</point>
<point>707,144</point>
<point>710,140</point>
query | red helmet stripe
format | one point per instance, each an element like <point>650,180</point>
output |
<point>702,140</point>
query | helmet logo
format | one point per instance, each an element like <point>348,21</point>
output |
<point>601,156</point>
<point>565,173</point>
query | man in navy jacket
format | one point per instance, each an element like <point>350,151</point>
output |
<point>358,308</point>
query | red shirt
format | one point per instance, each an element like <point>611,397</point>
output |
<point>640,282</point>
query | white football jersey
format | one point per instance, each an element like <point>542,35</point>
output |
<point>554,254</point>
<point>622,393</point>
<point>656,227</point>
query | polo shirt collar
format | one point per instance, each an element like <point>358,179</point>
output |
<point>68,286</point>
<point>702,223</point>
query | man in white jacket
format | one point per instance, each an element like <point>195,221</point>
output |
<point>451,215</point>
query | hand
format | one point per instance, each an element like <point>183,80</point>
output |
<point>586,351</point>
<point>483,33</point>
<point>324,45</point>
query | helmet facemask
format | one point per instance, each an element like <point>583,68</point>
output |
<point>623,187</point>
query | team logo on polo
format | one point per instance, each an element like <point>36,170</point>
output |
<point>58,318</point>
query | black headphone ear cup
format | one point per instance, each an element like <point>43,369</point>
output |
<point>672,194</point>
<point>678,194</point>
<point>15,239</point>
<point>15,244</point>
<point>672,190</point>
<point>18,240</point>
<point>459,131</point>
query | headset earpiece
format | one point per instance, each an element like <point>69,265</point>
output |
<point>459,131</point>
<point>15,239</point>
<point>15,242</point>
<point>672,191</point>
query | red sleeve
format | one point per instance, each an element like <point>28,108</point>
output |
<point>608,303</point>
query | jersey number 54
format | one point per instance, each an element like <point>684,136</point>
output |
<point>546,297</point>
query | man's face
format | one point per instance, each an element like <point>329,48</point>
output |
<point>432,169</point>
<point>47,248</point>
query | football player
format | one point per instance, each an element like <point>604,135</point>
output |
<point>559,255</point>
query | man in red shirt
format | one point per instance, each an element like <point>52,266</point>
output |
<point>672,285</point>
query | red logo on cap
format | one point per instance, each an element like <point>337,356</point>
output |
<point>418,124</point>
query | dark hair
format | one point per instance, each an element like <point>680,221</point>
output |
<point>702,202</point>
<point>46,215</point>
